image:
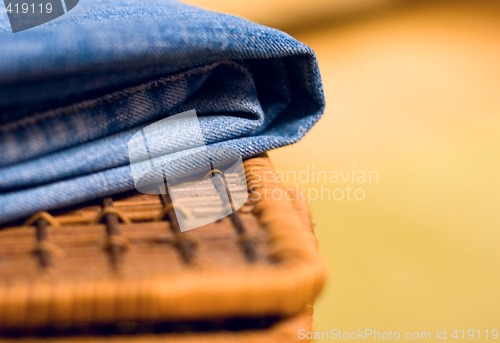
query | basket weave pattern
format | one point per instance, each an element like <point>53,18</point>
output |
<point>118,260</point>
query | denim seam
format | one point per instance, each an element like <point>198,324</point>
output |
<point>116,96</point>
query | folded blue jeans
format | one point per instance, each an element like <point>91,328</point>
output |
<point>73,91</point>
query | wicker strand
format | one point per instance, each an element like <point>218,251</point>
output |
<point>44,250</point>
<point>115,244</point>
<point>246,244</point>
<point>183,244</point>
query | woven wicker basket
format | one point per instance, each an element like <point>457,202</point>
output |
<point>115,270</point>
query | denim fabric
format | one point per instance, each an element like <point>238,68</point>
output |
<point>73,92</point>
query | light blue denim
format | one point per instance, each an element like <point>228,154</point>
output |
<point>73,92</point>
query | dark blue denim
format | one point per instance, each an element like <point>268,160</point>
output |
<point>74,90</point>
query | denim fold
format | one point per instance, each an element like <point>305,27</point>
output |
<point>73,91</point>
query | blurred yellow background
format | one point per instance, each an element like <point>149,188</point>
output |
<point>413,95</point>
